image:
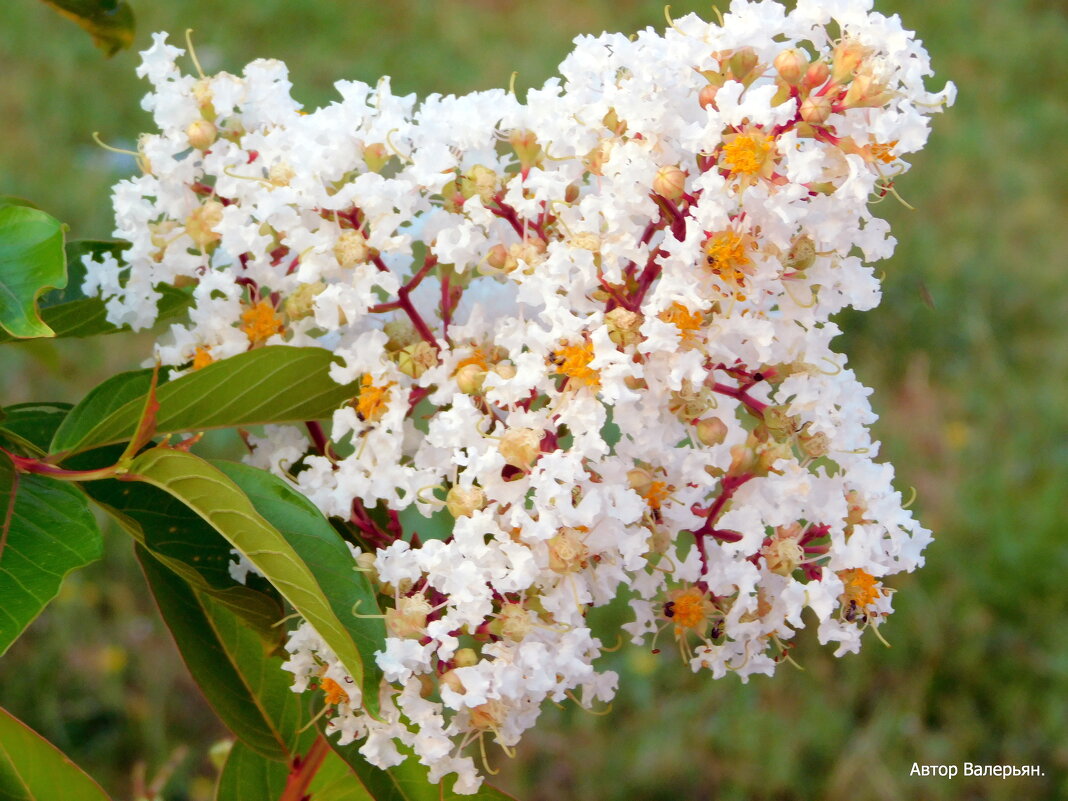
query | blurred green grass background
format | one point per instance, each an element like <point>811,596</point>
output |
<point>972,388</point>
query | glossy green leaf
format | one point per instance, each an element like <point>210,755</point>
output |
<point>248,689</point>
<point>31,260</point>
<point>32,769</point>
<point>69,313</point>
<point>109,22</point>
<point>191,548</point>
<point>46,531</point>
<point>277,384</point>
<point>323,550</point>
<point>32,425</point>
<point>117,392</point>
<point>212,495</point>
<point>247,776</point>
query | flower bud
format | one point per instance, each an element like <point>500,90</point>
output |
<point>201,222</point>
<point>706,98</point>
<point>465,501</point>
<point>711,431</point>
<point>521,447</point>
<point>802,254</point>
<point>816,75</point>
<point>514,622</point>
<point>814,445</point>
<point>847,56</point>
<point>201,134</point>
<point>743,62</point>
<point>791,65</point>
<point>470,378</point>
<point>505,370</point>
<point>815,109</point>
<point>670,182</point>
<point>640,480</point>
<point>866,92</point>
<point>465,657</point>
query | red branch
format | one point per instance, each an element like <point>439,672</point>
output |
<point>303,770</point>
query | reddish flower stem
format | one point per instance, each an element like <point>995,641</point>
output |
<point>757,407</point>
<point>303,770</point>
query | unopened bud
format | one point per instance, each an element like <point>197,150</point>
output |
<point>791,65</point>
<point>743,62</point>
<point>816,75</point>
<point>640,480</point>
<point>505,370</point>
<point>706,98</point>
<point>465,657</point>
<point>802,254</point>
<point>451,680</point>
<point>201,134</point>
<point>711,431</point>
<point>848,54</point>
<point>815,109</point>
<point>470,378</point>
<point>670,182</point>
<point>526,146</point>
<point>520,447</point>
<point>866,92</point>
<point>464,501</point>
<point>401,334</point>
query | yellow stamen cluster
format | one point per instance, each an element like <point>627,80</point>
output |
<point>860,587</point>
<point>727,256</point>
<point>573,361</point>
<point>747,154</point>
<point>202,357</point>
<point>689,609</point>
<point>261,322</point>
<point>688,322</point>
<point>372,401</point>
<point>334,693</point>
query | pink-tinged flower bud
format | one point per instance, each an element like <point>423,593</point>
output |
<point>866,92</point>
<point>816,75</point>
<point>707,96</point>
<point>521,447</point>
<point>816,109</point>
<point>791,65</point>
<point>847,56</point>
<point>201,134</point>
<point>670,182</point>
<point>711,431</point>
<point>465,501</point>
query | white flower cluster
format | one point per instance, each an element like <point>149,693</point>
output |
<point>594,327</point>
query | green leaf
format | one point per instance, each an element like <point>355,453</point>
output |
<point>276,384</point>
<point>32,769</point>
<point>247,776</point>
<point>15,200</point>
<point>323,550</point>
<point>46,531</point>
<point>70,313</point>
<point>32,425</point>
<point>109,22</point>
<point>248,689</point>
<point>104,400</point>
<point>212,495</point>
<point>31,260</point>
<point>189,547</point>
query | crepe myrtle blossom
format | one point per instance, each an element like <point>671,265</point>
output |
<point>593,329</point>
